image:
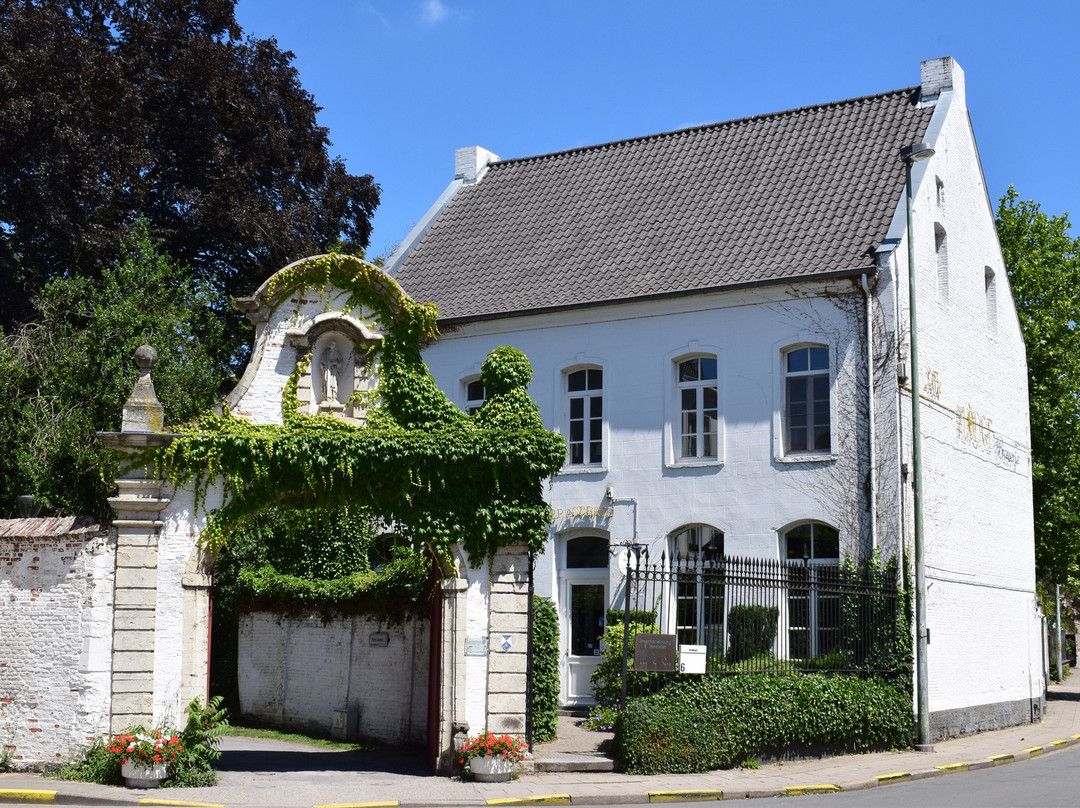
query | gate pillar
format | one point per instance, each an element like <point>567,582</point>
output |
<point>138,526</point>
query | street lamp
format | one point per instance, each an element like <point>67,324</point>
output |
<point>910,155</point>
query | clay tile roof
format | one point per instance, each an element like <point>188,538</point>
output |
<point>35,528</point>
<point>794,194</point>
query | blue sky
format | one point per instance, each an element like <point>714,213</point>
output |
<point>403,83</point>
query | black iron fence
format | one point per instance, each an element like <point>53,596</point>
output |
<point>725,615</point>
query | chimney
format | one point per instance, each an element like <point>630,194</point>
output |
<point>939,75</point>
<point>470,162</point>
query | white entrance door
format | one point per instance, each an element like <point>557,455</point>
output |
<point>585,599</point>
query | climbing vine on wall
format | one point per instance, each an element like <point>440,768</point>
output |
<point>434,474</point>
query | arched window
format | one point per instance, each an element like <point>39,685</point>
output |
<point>697,552</point>
<point>941,250</point>
<point>698,423</point>
<point>807,421</point>
<point>585,391</point>
<point>475,394</point>
<point>586,552</point>
<point>812,551</point>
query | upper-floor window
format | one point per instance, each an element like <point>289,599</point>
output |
<point>475,395</point>
<point>990,289</point>
<point>941,251</point>
<point>807,403</point>
<point>698,423</point>
<point>939,187</point>
<point>585,390</point>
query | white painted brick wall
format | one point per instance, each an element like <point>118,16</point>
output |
<point>55,644</point>
<point>978,484</point>
<point>295,673</point>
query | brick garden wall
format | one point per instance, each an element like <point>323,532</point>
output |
<point>56,599</point>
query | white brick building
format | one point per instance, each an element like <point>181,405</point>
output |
<point>695,308</point>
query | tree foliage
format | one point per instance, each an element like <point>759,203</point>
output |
<point>112,110</point>
<point>66,374</point>
<point>1042,259</point>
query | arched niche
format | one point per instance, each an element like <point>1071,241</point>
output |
<point>339,348</point>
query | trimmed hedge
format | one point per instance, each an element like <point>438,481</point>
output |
<point>545,671</point>
<point>718,722</point>
<point>752,630</point>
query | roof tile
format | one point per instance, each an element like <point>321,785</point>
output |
<point>756,200</point>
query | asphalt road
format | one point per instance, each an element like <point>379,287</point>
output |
<point>1052,781</point>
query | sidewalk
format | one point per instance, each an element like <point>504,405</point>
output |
<point>268,773</point>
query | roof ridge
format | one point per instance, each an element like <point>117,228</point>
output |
<point>699,127</point>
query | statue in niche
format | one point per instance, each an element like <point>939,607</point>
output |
<point>331,370</point>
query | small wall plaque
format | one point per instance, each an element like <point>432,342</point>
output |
<point>476,647</point>
<point>380,639</point>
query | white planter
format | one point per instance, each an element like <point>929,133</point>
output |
<point>142,775</point>
<point>491,769</point>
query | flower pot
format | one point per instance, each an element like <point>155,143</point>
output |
<point>142,775</point>
<point>493,769</point>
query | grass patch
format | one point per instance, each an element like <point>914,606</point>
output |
<point>295,737</point>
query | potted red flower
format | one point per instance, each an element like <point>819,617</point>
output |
<point>491,758</point>
<point>145,757</point>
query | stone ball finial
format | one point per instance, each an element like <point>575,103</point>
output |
<point>145,357</point>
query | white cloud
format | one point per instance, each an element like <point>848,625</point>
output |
<point>433,11</point>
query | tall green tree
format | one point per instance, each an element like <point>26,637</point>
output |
<point>65,374</point>
<point>1042,259</point>
<point>111,110</point>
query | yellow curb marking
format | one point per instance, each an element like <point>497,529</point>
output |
<point>949,768</point>
<point>1034,751</point>
<point>546,799</point>
<point>387,804</point>
<point>1059,744</point>
<point>152,801</point>
<point>895,777</point>
<point>1075,737</point>
<point>822,788</point>
<point>685,796</point>
<point>27,794</point>
<point>999,759</point>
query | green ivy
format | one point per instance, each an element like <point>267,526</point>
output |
<point>545,671</point>
<point>437,475</point>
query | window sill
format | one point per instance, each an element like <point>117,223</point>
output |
<point>695,464</point>
<point>805,458</point>
<point>567,471</point>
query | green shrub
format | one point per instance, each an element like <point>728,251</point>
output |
<point>205,726</point>
<point>98,765</point>
<point>607,678</point>
<point>644,616</point>
<point>751,631</point>
<point>720,721</point>
<point>545,671</point>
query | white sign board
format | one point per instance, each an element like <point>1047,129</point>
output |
<point>691,659</point>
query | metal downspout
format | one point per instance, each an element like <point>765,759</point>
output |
<point>870,396</point>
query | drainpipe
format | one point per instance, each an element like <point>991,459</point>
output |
<point>870,396</point>
<point>909,154</point>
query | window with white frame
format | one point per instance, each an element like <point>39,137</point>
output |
<point>813,603</point>
<point>475,395</point>
<point>585,391</point>
<point>807,404</point>
<point>697,553</point>
<point>698,421</point>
